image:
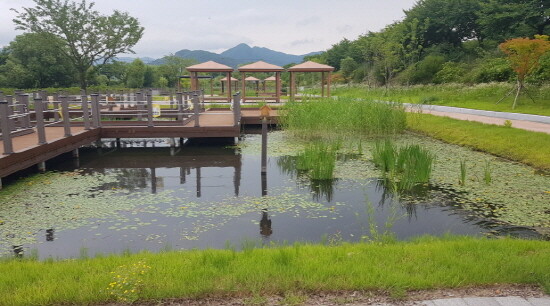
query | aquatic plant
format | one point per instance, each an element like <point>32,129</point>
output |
<point>487,177</point>
<point>319,160</point>
<point>343,117</point>
<point>462,179</point>
<point>404,167</point>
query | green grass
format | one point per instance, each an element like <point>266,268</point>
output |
<point>342,117</point>
<point>480,96</point>
<point>425,263</point>
<point>515,144</point>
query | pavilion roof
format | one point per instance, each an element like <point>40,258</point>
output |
<point>209,66</point>
<point>310,66</point>
<point>271,78</point>
<point>251,78</point>
<point>232,79</point>
<point>260,66</point>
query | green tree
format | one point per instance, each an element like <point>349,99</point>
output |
<point>136,74</point>
<point>87,37</point>
<point>505,19</point>
<point>115,71</point>
<point>172,67</point>
<point>149,76</point>
<point>347,66</point>
<point>35,61</point>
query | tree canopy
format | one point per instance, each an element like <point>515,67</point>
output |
<point>86,37</point>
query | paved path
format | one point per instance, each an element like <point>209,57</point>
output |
<point>528,122</point>
<point>489,301</point>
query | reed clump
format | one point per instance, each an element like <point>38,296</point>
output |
<point>342,117</point>
<point>319,160</point>
<point>403,166</point>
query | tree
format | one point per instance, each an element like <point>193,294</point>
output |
<point>347,66</point>
<point>115,71</point>
<point>172,67</point>
<point>504,19</point>
<point>87,37</point>
<point>136,74</point>
<point>524,55</point>
<point>35,61</point>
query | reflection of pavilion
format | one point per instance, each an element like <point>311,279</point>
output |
<point>131,160</point>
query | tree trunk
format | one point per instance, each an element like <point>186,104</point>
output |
<point>520,86</point>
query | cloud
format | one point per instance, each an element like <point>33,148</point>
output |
<point>308,21</point>
<point>344,29</point>
<point>302,42</point>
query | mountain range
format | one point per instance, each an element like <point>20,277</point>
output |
<point>233,57</point>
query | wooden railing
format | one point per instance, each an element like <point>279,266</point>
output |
<point>96,111</point>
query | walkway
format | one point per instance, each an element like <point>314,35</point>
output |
<point>528,122</point>
<point>489,301</point>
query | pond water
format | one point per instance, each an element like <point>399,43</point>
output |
<point>144,195</point>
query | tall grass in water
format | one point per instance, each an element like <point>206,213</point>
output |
<point>462,179</point>
<point>405,166</point>
<point>343,116</point>
<point>487,177</point>
<point>319,159</point>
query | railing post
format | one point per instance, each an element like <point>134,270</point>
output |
<point>150,109</point>
<point>5,126</point>
<point>171,100</point>
<point>185,99</point>
<point>96,112</point>
<point>66,115</point>
<point>39,113</point>
<point>26,110</point>
<point>56,106</point>
<point>139,105</point>
<point>237,108</point>
<point>196,109</point>
<point>179,99</point>
<point>9,99</point>
<point>85,110</point>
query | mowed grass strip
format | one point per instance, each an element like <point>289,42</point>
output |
<point>532,148</point>
<point>424,263</point>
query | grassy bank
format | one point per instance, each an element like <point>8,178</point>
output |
<point>480,96</point>
<point>425,263</point>
<point>520,145</point>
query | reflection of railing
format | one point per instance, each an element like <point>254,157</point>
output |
<point>96,111</point>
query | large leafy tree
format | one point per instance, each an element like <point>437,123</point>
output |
<point>136,74</point>
<point>87,37</point>
<point>34,60</point>
<point>172,67</point>
<point>504,19</point>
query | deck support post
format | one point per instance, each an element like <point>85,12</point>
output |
<point>179,98</point>
<point>40,129</point>
<point>150,109</point>
<point>196,109</point>
<point>76,153</point>
<point>237,109</point>
<point>264,145</point>
<point>118,142</point>
<point>85,110</point>
<point>66,116</point>
<point>6,132</point>
<point>42,167</point>
<point>96,111</point>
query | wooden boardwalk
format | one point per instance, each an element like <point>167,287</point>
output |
<point>69,133</point>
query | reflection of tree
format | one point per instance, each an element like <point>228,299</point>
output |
<point>132,178</point>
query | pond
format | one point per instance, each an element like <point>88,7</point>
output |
<point>145,195</point>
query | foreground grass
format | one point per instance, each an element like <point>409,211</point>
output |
<point>480,96</point>
<point>519,145</point>
<point>425,263</point>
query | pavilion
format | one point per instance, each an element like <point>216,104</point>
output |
<point>255,80</point>
<point>233,81</point>
<point>261,66</point>
<point>310,66</point>
<point>269,79</point>
<point>209,66</point>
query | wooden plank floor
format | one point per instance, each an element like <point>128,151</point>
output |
<point>22,143</point>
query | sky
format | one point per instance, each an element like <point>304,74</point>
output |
<point>290,26</point>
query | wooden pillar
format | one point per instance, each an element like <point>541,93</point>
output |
<point>5,125</point>
<point>243,98</point>
<point>328,84</point>
<point>39,113</point>
<point>278,86</point>
<point>229,95</point>
<point>223,91</point>
<point>211,86</point>
<point>322,84</point>
<point>292,81</point>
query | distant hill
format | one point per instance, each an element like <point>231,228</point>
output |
<point>238,55</point>
<point>127,59</point>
